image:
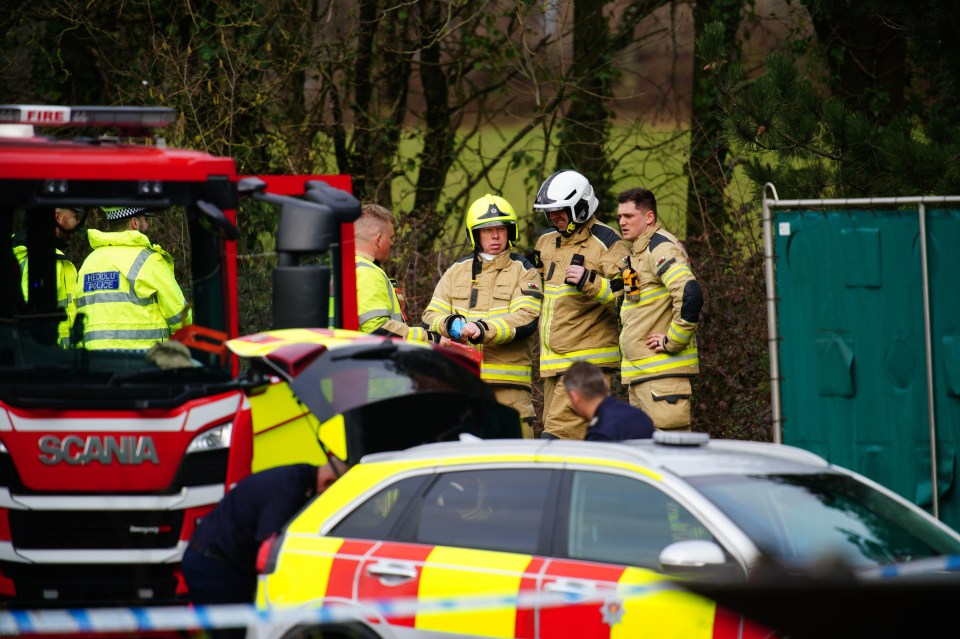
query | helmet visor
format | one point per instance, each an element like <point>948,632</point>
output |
<point>553,211</point>
<point>490,225</point>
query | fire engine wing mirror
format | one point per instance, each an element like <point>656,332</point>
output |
<point>213,220</point>
<point>249,185</point>
<point>305,227</point>
<point>345,207</point>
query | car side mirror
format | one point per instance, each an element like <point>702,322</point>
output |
<point>698,559</point>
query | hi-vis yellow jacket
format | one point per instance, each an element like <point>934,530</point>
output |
<point>505,295</point>
<point>128,293</point>
<point>378,307</point>
<point>668,301</point>
<point>579,323</point>
<point>66,287</point>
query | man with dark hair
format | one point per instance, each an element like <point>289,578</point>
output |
<point>610,418</point>
<point>659,314</point>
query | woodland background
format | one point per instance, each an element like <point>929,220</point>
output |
<point>431,103</point>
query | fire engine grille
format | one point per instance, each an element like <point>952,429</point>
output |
<point>59,586</point>
<point>8,474</point>
<point>200,469</point>
<point>197,469</point>
<point>94,530</point>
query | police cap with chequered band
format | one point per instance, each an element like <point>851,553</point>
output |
<point>120,212</point>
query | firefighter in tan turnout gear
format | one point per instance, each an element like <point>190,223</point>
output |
<point>492,299</point>
<point>660,311</point>
<point>581,260</point>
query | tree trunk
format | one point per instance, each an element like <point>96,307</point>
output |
<point>707,167</point>
<point>867,56</point>
<point>438,153</point>
<point>585,125</point>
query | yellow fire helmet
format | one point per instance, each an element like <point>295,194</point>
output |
<point>491,210</point>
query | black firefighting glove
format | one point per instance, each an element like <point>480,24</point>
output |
<point>483,331</point>
<point>534,258</point>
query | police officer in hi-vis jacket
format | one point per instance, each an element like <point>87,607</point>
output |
<point>379,307</point>
<point>126,288</point>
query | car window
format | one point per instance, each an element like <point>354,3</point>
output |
<point>375,517</point>
<point>801,518</point>
<point>499,509</point>
<point>622,520</point>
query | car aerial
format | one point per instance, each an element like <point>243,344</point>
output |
<point>449,526</point>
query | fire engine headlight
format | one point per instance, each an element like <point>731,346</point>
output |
<point>212,439</point>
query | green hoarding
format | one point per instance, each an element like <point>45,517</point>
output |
<point>861,331</point>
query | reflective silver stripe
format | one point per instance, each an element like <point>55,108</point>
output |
<point>137,265</point>
<point>393,301</point>
<point>130,297</point>
<point>146,333</point>
<point>390,293</point>
<point>134,273</point>
<point>369,315</point>
<point>176,319</point>
<point>107,298</point>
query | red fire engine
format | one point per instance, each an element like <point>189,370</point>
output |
<point>106,461</point>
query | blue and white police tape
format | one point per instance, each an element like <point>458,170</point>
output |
<point>928,567</point>
<point>172,618</point>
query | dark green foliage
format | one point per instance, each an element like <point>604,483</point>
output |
<point>811,142</point>
<point>731,396</point>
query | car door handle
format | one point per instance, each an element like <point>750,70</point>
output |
<point>392,572</point>
<point>571,587</point>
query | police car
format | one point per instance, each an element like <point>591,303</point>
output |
<point>552,538</point>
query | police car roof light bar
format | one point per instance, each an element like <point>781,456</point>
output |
<point>122,117</point>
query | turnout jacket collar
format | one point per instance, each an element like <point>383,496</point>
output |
<point>641,243</point>
<point>498,262</point>
<point>580,234</point>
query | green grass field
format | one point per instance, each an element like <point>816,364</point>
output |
<point>652,158</point>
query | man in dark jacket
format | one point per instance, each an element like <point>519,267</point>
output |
<point>610,418</point>
<point>219,565</point>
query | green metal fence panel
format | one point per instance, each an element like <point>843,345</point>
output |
<point>852,336</point>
